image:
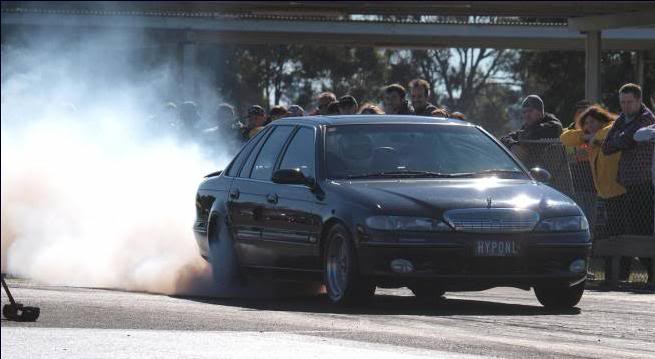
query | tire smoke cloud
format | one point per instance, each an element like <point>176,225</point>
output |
<point>96,190</point>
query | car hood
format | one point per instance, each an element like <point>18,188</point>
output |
<point>420,196</point>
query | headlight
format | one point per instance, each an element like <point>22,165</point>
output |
<point>398,223</point>
<point>563,224</point>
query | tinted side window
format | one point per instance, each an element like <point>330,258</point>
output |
<point>241,157</point>
<point>300,153</point>
<point>263,168</point>
<point>245,171</point>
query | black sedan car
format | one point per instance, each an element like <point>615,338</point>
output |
<point>357,202</point>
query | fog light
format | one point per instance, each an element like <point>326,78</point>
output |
<point>402,266</point>
<point>578,266</point>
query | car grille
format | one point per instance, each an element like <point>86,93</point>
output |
<point>492,220</point>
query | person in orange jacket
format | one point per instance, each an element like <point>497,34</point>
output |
<point>595,123</point>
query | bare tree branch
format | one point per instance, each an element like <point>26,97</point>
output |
<point>443,70</point>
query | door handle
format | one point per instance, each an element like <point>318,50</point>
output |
<point>234,194</point>
<point>271,198</point>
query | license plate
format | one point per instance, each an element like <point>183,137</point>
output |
<point>496,248</point>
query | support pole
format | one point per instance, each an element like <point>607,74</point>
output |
<point>592,66</point>
<point>189,51</point>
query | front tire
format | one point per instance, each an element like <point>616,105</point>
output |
<point>343,283</point>
<point>559,296</point>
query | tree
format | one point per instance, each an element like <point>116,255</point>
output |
<point>295,74</point>
<point>556,76</point>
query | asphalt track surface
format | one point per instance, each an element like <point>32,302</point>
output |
<point>502,322</point>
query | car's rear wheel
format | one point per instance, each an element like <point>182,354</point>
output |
<point>559,296</point>
<point>343,283</point>
<point>427,292</point>
<point>224,261</point>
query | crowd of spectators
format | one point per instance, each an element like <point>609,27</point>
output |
<point>226,127</point>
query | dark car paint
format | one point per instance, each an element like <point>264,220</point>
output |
<point>287,235</point>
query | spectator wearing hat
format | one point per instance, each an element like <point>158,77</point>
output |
<point>420,93</point>
<point>347,105</point>
<point>255,122</point>
<point>537,125</point>
<point>276,113</point>
<point>394,101</point>
<point>296,111</point>
<point>636,158</point>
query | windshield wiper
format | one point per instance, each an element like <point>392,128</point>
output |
<point>404,173</point>
<point>489,172</point>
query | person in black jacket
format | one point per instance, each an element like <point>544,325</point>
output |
<point>636,159</point>
<point>537,123</point>
<point>420,93</point>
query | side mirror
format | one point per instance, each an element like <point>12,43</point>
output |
<point>541,175</point>
<point>291,176</point>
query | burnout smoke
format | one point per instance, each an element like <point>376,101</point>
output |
<point>95,191</point>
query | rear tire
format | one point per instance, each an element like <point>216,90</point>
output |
<point>343,283</point>
<point>224,262</point>
<point>559,296</point>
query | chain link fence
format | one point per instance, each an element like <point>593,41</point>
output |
<point>623,227</point>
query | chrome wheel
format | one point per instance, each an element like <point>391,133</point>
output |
<point>343,282</point>
<point>338,264</point>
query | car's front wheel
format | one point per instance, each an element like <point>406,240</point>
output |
<point>343,283</point>
<point>559,296</point>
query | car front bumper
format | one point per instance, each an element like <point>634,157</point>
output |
<point>451,259</point>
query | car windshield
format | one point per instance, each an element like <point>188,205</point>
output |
<point>415,151</point>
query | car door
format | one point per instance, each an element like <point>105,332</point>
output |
<point>294,229</point>
<point>251,205</point>
<point>235,205</point>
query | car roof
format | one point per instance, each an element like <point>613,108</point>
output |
<point>368,119</point>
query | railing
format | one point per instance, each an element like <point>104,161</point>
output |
<point>614,250</point>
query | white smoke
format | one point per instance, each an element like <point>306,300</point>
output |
<point>95,191</point>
